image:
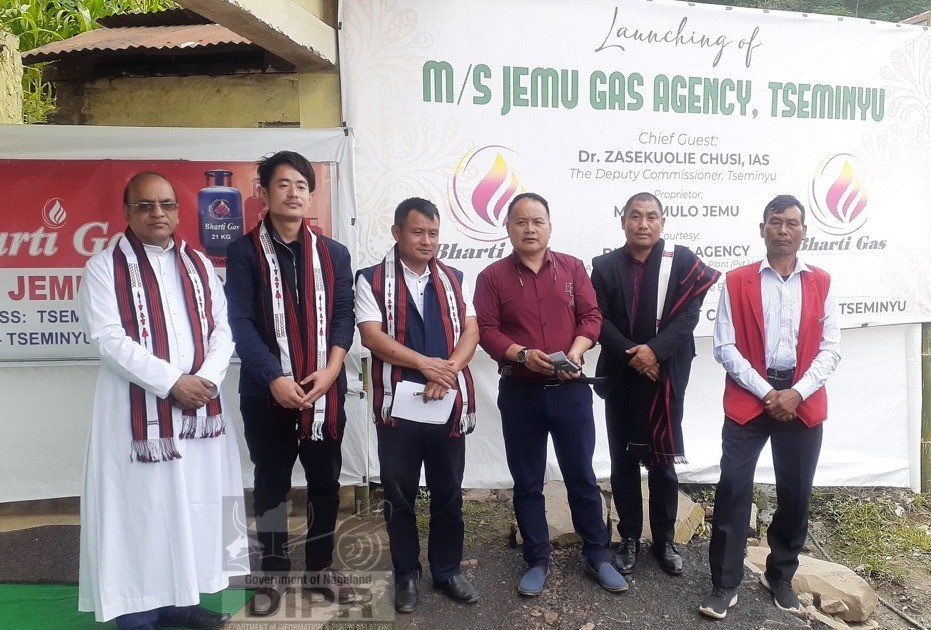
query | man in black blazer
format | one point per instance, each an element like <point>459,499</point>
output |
<point>650,295</point>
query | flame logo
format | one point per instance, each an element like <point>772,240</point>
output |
<point>53,214</point>
<point>488,182</point>
<point>838,198</point>
<point>219,209</point>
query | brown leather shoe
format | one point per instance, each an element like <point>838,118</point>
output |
<point>334,585</point>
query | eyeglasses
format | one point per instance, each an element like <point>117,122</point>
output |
<point>150,206</point>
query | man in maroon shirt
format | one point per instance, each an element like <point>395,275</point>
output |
<point>530,305</point>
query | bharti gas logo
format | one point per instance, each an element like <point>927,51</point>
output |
<point>838,201</point>
<point>53,214</point>
<point>88,239</point>
<point>483,183</point>
<point>838,198</point>
<point>219,209</point>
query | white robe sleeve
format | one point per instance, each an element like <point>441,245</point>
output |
<point>100,317</point>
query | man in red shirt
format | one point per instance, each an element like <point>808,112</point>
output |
<point>532,304</point>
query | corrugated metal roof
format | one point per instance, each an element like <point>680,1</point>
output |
<point>139,39</point>
<point>165,17</point>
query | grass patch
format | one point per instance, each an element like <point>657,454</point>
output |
<point>878,535</point>
<point>485,521</point>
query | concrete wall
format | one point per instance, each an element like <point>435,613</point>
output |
<point>309,98</point>
<point>11,80</point>
<point>243,100</point>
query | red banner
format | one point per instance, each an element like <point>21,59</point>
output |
<point>58,213</point>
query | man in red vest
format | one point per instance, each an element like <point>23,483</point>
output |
<point>776,334</point>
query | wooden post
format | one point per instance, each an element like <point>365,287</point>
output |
<point>926,407</point>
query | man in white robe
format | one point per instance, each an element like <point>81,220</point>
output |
<point>155,521</point>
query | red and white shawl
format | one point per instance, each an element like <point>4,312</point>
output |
<point>142,315</point>
<point>390,292</point>
<point>284,309</point>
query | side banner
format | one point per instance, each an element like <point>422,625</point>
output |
<point>714,110</point>
<point>59,212</point>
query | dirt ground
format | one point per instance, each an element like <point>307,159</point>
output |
<point>656,600</point>
<point>573,601</point>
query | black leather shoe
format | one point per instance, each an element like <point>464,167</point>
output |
<point>406,596</point>
<point>333,585</point>
<point>668,557</point>
<point>194,618</point>
<point>626,558</point>
<point>266,600</point>
<point>458,589</point>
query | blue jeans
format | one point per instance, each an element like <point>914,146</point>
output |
<point>532,411</point>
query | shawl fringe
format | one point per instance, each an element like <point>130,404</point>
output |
<point>153,451</point>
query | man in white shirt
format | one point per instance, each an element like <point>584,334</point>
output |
<point>415,314</point>
<point>162,468</point>
<point>776,335</point>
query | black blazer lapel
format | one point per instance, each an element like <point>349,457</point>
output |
<point>622,262</point>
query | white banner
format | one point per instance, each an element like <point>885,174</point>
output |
<point>715,110</point>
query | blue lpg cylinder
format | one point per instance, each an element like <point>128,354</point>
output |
<point>219,212</point>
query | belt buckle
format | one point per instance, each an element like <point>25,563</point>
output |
<point>551,383</point>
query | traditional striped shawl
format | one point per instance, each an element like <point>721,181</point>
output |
<point>391,293</point>
<point>284,310</point>
<point>142,315</point>
<point>666,444</point>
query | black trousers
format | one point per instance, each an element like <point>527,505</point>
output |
<point>272,437</point>
<point>402,450</point>
<point>663,484</point>
<point>796,448</point>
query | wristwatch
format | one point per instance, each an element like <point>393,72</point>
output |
<point>522,355</point>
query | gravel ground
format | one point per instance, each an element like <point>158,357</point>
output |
<point>572,600</point>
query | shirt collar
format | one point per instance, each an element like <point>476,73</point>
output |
<point>413,274</point>
<point>277,237</point>
<point>634,261</point>
<point>799,266</point>
<point>156,249</point>
<point>547,258</point>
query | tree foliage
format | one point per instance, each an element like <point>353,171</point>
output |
<point>38,22</point>
<point>884,10</point>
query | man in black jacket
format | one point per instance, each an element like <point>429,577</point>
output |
<point>650,295</point>
<point>291,311</point>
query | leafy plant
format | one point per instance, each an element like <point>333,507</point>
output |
<point>39,22</point>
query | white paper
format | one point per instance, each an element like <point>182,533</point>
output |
<point>409,404</point>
